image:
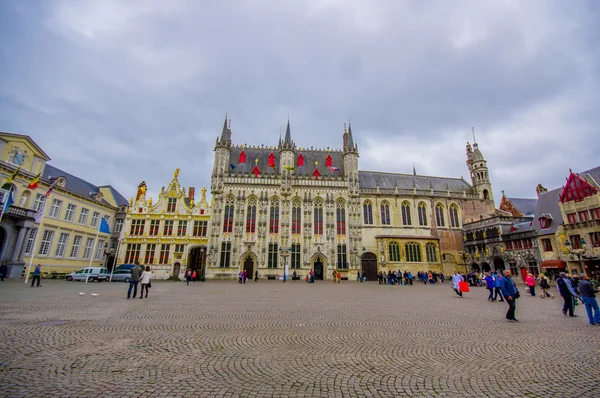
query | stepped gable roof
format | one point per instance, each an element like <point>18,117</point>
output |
<point>548,207</point>
<point>594,174</point>
<point>370,179</point>
<point>121,201</point>
<point>525,206</point>
<point>74,184</point>
<point>310,157</point>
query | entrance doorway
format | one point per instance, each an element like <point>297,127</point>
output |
<point>318,268</point>
<point>498,264</point>
<point>197,260</point>
<point>176,270</point>
<point>369,266</point>
<point>249,266</point>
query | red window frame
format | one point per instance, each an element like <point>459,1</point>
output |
<point>544,223</point>
<point>595,213</point>
<point>571,218</point>
<point>595,238</point>
<point>583,215</point>
<point>547,245</point>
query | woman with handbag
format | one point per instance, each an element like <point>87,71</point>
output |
<point>145,279</point>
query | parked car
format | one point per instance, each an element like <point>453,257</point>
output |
<point>90,274</point>
<point>121,275</point>
<point>127,267</point>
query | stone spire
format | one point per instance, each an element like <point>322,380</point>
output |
<point>350,139</point>
<point>287,140</point>
<point>225,139</point>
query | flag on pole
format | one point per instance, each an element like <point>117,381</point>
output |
<point>51,188</point>
<point>11,178</point>
<point>33,184</point>
<point>39,214</point>
<point>104,227</point>
<point>9,202</point>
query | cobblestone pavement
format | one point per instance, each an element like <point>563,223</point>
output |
<point>270,339</point>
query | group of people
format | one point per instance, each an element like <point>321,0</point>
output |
<point>406,278</point>
<point>139,275</point>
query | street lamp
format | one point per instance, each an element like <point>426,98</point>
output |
<point>578,252</point>
<point>285,253</point>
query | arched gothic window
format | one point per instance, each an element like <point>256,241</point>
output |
<point>385,213</point>
<point>274,217</point>
<point>340,212</point>
<point>394,251</point>
<point>251,216</point>
<point>296,216</point>
<point>422,214</point>
<point>453,213</point>
<point>413,252</point>
<point>406,214</point>
<point>228,215</point>
<point>431,252</point>
<point>318,217</point>
<point>439,215</point>
<point>368,212</point>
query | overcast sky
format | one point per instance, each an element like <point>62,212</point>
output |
<point>118,92</point>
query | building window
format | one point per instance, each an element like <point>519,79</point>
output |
<point>132,253</point>
<point>55,208</point>
<point>95,217</point>
<point>595,213</point>
<point>342,257</point>
<point>274,217</point>
<point>154,225</point>
<point>119,226</point>
<point>431,252</point>
<point>547,244</point>
<point>200,228</point>
<point>225,254</point>
<point>46,242</point>
<point>179,248</point>
<point>150,252</point>
<point>575,241</point>
<point>76,245</point>
<point>30,240</point>
<point>514,271</point>
<point>228,216</point>
<point>87,249</point>
<point>406,214</point>
<point>340,214</point>
<point>272,263</point>
<point>39,199</point>
<point>595,239</point>
<point>171,205</point>
<point>368,213</point>
<point>453,213</point>
<point>571,218</point>
<point>70,212</point>
<point>83,216</point>
<point>413,252</point>
<point>583,216</point>
<point>63,238</point>
<point>422,214</point>
<point>137,227</point>
<point>296,217</point>
<point>168,228</point>
<point>295,256</point>
<point>394,251</point>
<point>164,253</point>
<point>107,218</point>
<point>99,250</point>
<point>439,215</point>
<point>318,218</point>
<point>385,213</point>
<point>509,245</point>
<point>544,223</point>
<point>251,216</point>
<point>182,228</point>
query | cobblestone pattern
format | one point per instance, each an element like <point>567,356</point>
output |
<point>269,339</point>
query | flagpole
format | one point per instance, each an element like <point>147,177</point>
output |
<point>92,253</point>
<point>115,260</point>
<point>35,241</point>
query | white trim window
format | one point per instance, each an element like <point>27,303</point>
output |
<point>83,215</point>
<point>55,208</point>
<point>99,250</point>
<point>61,244</point>
<point>87,250</point>
<point>70,212</point>
<point>46,242</point>
<point>30,240</point>
<point>95,218</point>
<point>119,226</point>
<point>76,245</point>
<point>39,200</point>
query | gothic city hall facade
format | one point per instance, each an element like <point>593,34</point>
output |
<point>285,207</point>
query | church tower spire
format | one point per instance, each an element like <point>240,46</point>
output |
<point>479,171</point>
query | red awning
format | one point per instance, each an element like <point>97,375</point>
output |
<point>553,264</point>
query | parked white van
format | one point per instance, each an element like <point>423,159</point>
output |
<point>90,273</point>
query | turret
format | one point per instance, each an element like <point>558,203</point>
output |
<point>286,149</point>
<point>479,172</point>
<point>222,155</point>
<point>350,161</point>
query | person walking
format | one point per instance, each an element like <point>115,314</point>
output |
<point>339,276</point>
<point>497,290</point>
<point>511,293</point>
<point>256,275</point>
<point>136,272</point>
<point>489,281</point>
<point>568,294</point>
<point>545,286</point>
<point>188,276</point>
<point>456,279</point>
<point>3,271</point>
<point>240,277</point>
<point>194,275</point>
<point>145,280</point>
<point>587,293</point>
<point>37,275</point>
<point>530,282</point>
<point>334,276</point>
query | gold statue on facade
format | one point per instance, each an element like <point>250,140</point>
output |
<point>176,173</point>
<point>141,192</point>
<point>150,202</point>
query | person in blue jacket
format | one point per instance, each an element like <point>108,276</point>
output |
<point>510,293</point>
<point>497,290</point>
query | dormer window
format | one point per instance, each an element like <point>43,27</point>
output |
<point>61,182</point>
<point>545,223</point>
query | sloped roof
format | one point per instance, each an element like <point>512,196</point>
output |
<point>594,174</point>
<point>525,206</point>
<point>2,133</point>
<point>370,179</point>
<point>121,201</point>
<point>547,204</point>
<point>74,184</point>
<point>521,227</point>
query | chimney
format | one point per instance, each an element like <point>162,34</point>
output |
<point>191,192</point>
<point>540,189</point>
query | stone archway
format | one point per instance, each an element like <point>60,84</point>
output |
<point>248,264</point>
<point>369,266</point>
<point>319,266</point>
<point>197,261</point>
<point>499,264</point>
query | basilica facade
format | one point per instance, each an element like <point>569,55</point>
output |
<point>288,208</point>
